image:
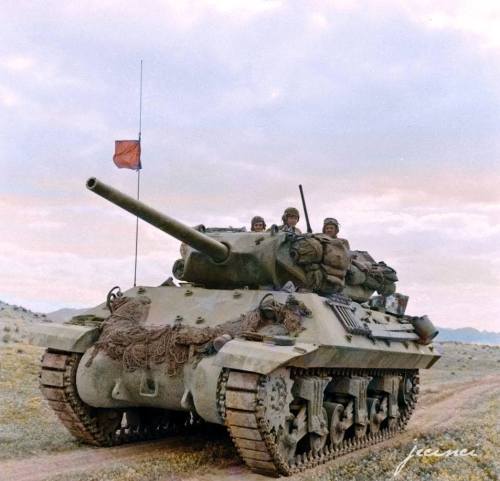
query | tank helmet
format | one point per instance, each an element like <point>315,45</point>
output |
<point>255,220</point>
<point>289,211</point>
<point>331,221</point>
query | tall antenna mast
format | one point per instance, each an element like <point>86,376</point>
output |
<point>138,179</point>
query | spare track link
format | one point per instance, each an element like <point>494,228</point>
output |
<point>241,408</point>
<point>87,424</point>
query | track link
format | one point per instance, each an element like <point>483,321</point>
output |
<point>241,405</point>
<point>99,426</point>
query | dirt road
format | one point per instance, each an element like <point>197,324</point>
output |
<point>437,407</point>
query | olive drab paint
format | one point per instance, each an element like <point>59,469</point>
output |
<point>343,377</point>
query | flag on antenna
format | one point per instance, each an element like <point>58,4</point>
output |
<point>127,154</point>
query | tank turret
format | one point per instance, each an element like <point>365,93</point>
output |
<point>230,259</point>
<point>227,259</point>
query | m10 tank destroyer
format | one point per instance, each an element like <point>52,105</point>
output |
<point>275,335</point>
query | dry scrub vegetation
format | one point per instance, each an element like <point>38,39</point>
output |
<point>27,425</point>
<point>29,429</point>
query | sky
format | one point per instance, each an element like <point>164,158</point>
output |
<point>387,113</point>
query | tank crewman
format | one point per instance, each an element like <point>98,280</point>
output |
<point>331,228</point>
<point>178,267</point>
<point>257,224</point>
<point>290,218</point>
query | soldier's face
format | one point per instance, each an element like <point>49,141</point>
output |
<point>258,227</point>
<point>292,220</point>
<point>331,230</point>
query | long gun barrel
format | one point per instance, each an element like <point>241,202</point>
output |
<point>211,247</point>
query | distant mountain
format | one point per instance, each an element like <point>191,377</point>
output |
<point>468,335</point>
<point>14,321</point>
<point>11,312</point>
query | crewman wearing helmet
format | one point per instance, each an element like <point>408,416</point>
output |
<point>331,228</point>
<point>290,218</point>
<point>257,224</point>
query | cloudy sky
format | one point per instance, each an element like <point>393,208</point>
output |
<point>386,111</point>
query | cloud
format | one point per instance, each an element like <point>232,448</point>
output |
<point>48,280</point>
<point>478,19</point>
<point>9,98</point>
<point>17,63</point>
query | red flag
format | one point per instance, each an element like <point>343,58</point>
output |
<point>127,154</point>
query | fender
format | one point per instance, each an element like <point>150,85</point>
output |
<point>63,337</point>
<point>259,357</point>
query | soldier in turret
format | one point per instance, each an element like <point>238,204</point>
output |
<point>257,224</point>
<point>331,228</point>
<point>183,249</point>
<point>290,218</point>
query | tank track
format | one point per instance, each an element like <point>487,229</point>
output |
<point>257,445</point>
<point>99,426</point>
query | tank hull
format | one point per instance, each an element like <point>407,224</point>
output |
<point>324,343</point>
